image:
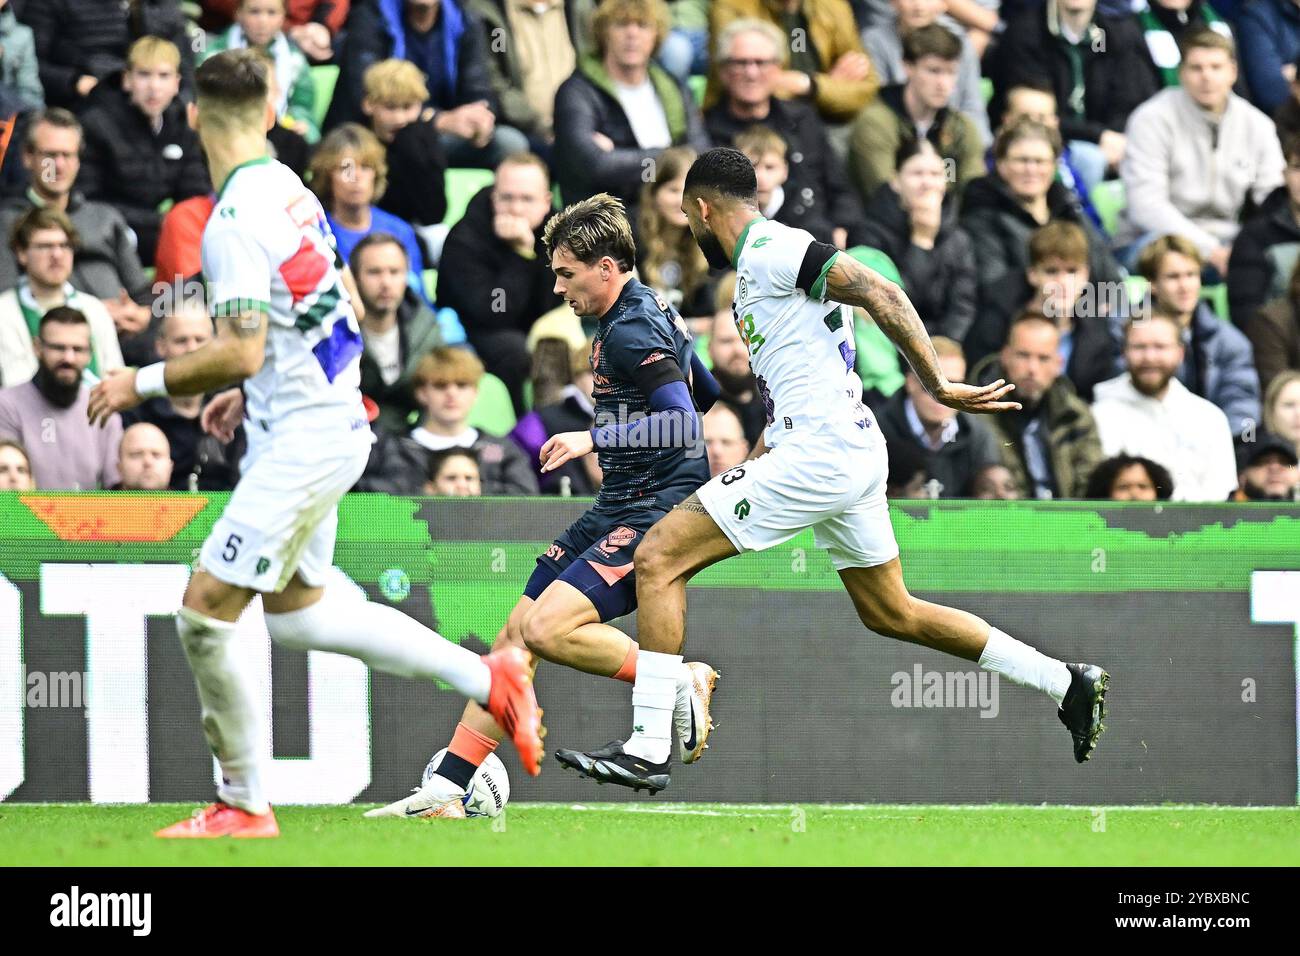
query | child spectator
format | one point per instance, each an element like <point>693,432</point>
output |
<point>260,24</point>
<point>1282,407</point>
<point>417,169</point>
<point>1129,478</point>
<point>454,473</point>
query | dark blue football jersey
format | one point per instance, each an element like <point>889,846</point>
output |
<point>638,331</point>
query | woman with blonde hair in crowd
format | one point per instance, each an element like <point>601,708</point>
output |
<point>669,260</point>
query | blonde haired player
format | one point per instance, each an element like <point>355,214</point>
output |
<point>286,327</point>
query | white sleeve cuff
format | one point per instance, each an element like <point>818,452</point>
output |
<point>149,381</point>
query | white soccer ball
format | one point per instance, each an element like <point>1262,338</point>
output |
<point>489,789</point>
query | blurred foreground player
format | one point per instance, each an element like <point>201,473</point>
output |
<point>821,464</point>
<point>285,325</point>
<point>652,455</point>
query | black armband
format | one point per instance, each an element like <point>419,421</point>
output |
<point>812,271</point>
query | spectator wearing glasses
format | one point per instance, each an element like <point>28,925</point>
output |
<point>48,416</point>
<point>43,241</point>
<point>107,264</point>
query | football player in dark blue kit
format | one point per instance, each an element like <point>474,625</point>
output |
<point>649,392</point>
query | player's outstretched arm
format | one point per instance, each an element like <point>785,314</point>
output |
<point>852,283</point>
<point>235,353</point>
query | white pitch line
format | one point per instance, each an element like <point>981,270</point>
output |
<point>903,809</point>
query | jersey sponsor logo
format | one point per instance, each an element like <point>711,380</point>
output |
<point>555,552</point>
<point>653,357</point>
<point>620,537</point>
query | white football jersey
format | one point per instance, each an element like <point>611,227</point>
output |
<point>268,247</point>
<point>800,345</point>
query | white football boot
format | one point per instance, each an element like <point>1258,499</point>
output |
<point>691,716</point>
<point>437,799</point>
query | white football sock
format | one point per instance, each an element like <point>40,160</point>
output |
<point>230,714</point>
<point>654,695</point>
<point>383,637</point>
<point>1021,664</point>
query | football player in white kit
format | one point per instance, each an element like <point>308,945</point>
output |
<point>286,327</point>
<point>821,463</point>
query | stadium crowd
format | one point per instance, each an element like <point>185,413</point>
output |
<point>1096,200</point>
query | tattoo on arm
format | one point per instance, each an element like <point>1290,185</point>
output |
<point>852,283</point>
<point>693,504</point>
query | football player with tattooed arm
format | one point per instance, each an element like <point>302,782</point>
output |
<point>821,464</point>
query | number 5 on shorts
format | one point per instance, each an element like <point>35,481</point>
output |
<point>232,548</point>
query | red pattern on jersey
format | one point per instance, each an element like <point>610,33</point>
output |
<point>303,270</point>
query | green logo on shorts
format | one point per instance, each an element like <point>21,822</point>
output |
<point>262,565</point>
<point>742,509</point>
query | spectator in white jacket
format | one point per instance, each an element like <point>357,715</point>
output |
<point>1147,411</point>
<point>44,242</point>
<point>1196,153</point>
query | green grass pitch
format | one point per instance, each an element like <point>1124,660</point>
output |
<point>648,834</point>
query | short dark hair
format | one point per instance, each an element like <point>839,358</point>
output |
<point>723,171</point>
<point>1102,479</point>
<point>235,84</point>
<point>930,40</point>
<point>913,146</point>
<point>440,458</point>
<point>369,241</point>
<point>64,315</point>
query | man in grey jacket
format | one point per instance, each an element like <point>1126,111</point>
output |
<point>1196,154</point>
<point>107,265</point>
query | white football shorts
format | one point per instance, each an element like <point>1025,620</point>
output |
<point>826,480</point>
<point>283,514</point>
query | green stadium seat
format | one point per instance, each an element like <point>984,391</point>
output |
<point>878,364</point>
<point>702,350</point>
<point>431,284</point>
<point>986,89</point>
<point>1217,296</point>
<point>697,85</point>
<point>462,184</point>
<point>493,411</point>
<point>1135,287</point>
<point>324,78</point>
<point>1110,200</point>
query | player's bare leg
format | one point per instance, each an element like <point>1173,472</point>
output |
<point>885,606</point>
<point>684,542</point>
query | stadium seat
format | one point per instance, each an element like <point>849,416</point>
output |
<point>431,284</point>
<point>877,362</point>
<point>1136,289</point>
<point>324,78</point>
<point>493,411</point>
<point>1109,199</point>
<point>697,85</point>
<point>1217,296</point>
<point>462,184</point>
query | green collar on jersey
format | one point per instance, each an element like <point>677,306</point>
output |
<point>259,161</point>
<point>740,243</point>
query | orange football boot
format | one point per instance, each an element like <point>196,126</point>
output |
<point>514,705</point>
<point>221,819</point>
